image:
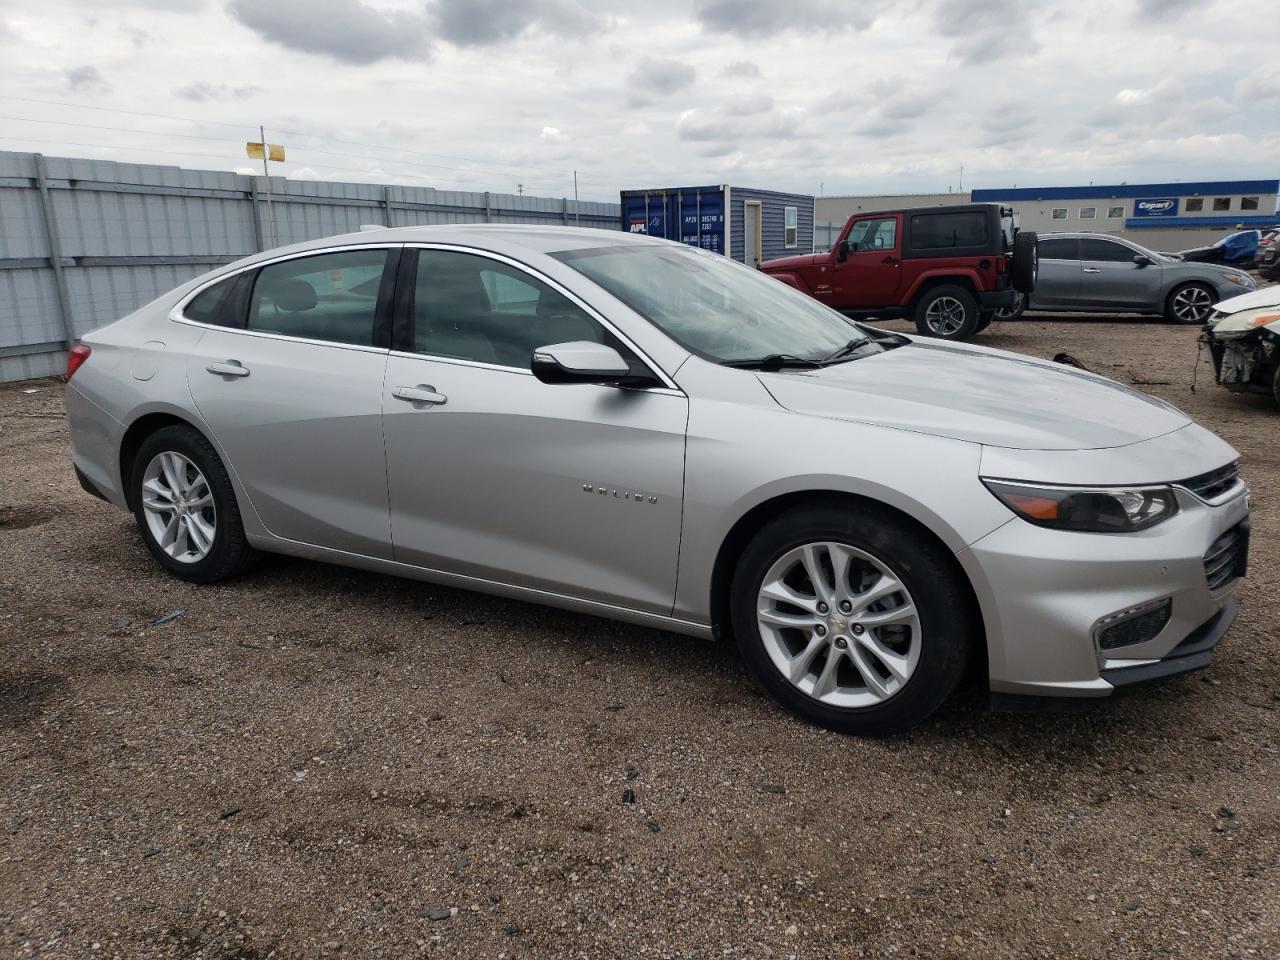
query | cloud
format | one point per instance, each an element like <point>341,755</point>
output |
<point>1166,9</point>
<point>200,91</point>
<point>479,23</point>
<point>1008,122</point>
<point>754,19</point>
<point>346,30</point>
<point>740,68</point>
<point>699,125</point>
<point>553,135</point>
<point>985,30</point>
<point>661,77</point>
<point>749,106</point>
<point>86,78</point>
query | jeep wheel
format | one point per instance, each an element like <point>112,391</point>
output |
<point>1025,269</point>
<point>947,312</point>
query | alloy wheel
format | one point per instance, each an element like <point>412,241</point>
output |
<point>838,624</point>
<point>179,508</point>
<point>944,316</point>
<point>1192,305</point>
<point>1005,313</point>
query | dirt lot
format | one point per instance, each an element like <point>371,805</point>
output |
<point>318,762</point>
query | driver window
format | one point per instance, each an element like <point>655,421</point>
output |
<point>469,307</point>
<point>873,235</point>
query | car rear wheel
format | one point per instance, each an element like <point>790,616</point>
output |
<point>1189,303</point>
<point>851,618</point>
<point>947,312</point>
<point>186,508</point>
<point>1013,312</point>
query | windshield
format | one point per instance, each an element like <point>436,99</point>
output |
<point>713,306</point>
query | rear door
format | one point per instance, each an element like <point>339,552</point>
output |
<point>292,391</point>
<point>1110,278</point>
<point>1058,283</point>
<point>572,488</point>
<point>871,273</point>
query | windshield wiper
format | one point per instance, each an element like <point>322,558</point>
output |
<point>847,349</point>
<point>774,361</point>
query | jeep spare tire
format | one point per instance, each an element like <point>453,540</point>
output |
<point>1026,261</point>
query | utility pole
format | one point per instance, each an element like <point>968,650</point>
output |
<point>960,185</point>
<point>266,151</point>
<point>520,189</point>
<point>576,219</point>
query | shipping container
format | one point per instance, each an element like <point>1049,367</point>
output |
<point>748,225</point>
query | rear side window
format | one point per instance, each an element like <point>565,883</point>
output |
<point>207,305</point>
<point>1105,250</point>
<point>1058,248</point>
<point>941,231</point>
<point>333,297</point>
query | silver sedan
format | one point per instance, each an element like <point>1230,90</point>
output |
<point>1099,273</point>
<point>640,430</point>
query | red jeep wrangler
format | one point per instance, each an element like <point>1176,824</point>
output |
<point>948,268</point>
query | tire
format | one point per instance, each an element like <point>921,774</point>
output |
<point>932,651</point>
<point>1189,303</point>
<point>985,318</point>
<point>947,312</point>
<point>1025,269</point>
<point>208,542</point>
<point>1017,310</point>
<point>1275,383</point>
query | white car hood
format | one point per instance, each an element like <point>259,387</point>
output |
<point>1265,297</point>
<point>980,395</point>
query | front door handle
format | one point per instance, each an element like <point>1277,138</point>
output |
<point>422,393</point>
<point>1092,270</point>
<point>230,368</point>
<point>889,260</point>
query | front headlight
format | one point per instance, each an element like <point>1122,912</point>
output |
<point>1238,280</point>
<point>1086,509</point>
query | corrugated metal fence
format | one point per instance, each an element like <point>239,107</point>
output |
<point>83,242</point>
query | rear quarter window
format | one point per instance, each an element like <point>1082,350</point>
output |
<point>942,231</point>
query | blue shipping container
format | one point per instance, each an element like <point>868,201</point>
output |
<point>717,218</point>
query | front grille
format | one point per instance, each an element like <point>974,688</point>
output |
<point>1226,557</point>
<point>1206,486</point>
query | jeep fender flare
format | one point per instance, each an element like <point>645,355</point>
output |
<point>932,278</point>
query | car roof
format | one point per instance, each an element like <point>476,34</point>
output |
<point>499,237</point>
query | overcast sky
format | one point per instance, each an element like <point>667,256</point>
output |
<point>843,96</point>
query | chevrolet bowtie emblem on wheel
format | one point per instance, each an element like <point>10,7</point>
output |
<point>837,624</point>
<point>618,494</point>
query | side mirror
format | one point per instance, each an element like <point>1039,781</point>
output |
<point>842,251</point>
<point>581,361</point>
<point>1142,260</point>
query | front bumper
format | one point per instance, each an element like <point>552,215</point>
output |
<point>1045,593</point>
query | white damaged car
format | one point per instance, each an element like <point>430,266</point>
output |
<point>1243,335</point>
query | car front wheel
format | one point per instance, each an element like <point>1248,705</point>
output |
<point>851,618</point>
<point>186,508</point>
<point>1190,303</point>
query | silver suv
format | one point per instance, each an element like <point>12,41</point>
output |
<point>640,430</point>
<point>1098,273</point>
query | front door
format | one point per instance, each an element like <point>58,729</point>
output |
<point>1110,278</point>
<point>293,395</point>
<point>871,272</point>
<point>574,489</point>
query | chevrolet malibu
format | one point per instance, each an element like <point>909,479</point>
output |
<point>636,429</point>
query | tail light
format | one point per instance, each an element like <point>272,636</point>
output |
<point>1002,264</point>
<point>75,357</point>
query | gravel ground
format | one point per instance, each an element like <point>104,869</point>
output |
<point>317,762</point>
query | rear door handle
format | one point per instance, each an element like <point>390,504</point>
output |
<point>1092,270</point>
<point>422,393</point>
<point>231,368</point>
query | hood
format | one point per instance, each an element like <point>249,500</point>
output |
<point>790,263</point>
<point>1266,297</point>
<point>979,395</point>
